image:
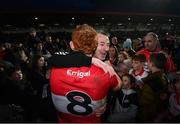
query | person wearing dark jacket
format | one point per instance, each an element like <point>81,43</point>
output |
<point>155,84</point>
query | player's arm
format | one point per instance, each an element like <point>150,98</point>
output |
<point>119,85</point>
<point>78,59</point>
<point>73,59</point>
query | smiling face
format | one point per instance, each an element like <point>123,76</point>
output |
<point>103,47</point>
<point>137,65</point>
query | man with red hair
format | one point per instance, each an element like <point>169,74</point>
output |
<point>78,92</point>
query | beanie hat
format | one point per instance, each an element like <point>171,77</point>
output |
<point>127,43</point>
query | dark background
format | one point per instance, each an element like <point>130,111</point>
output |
<point>164,7</point>
<point>23,12</point>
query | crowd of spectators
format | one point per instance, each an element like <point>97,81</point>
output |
<point>24,73</point>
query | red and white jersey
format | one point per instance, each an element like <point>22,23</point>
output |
<point>78,92</point>
<point>139,76</point>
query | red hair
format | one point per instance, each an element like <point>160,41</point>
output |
<point>84,38</point>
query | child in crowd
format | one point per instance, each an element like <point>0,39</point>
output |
<point>154,87</point>
<point>124,106</point>
<point>138,70</point>
<point>122,69</point>
<point>17,94</point>
<point>122,56</point>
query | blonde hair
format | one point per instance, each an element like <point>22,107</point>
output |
<point>84,39</point>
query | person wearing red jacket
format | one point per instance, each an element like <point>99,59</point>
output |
<point>151,43</point>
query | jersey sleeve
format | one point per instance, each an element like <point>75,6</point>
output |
<point>73,59</point>
<point>114,82</point>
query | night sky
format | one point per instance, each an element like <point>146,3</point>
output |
<point>142,6</point>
